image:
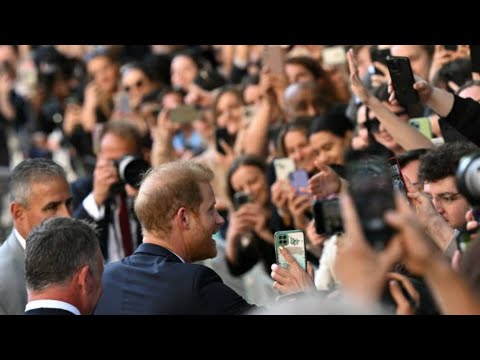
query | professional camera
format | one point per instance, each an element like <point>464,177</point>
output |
<point>131,169</point>
<point>468,178</point>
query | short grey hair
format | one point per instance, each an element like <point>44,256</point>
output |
<point>32,171</point>
<point>57,248</point>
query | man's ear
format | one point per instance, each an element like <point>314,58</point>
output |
<point>82,277</point>
<point>16,210</point>
<point>183,217</point>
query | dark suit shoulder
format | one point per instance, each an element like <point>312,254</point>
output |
<point>214,297</point>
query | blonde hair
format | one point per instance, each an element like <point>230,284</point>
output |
<point>167,188</point>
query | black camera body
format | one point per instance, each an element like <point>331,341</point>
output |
<point>468,178</point>
<point>130,170</point>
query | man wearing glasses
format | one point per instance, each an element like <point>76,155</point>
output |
<point>437,171</point>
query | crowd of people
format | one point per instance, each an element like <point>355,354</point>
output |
<point>148,179</point>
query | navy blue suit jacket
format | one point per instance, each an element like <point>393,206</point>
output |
<point>154,281</point>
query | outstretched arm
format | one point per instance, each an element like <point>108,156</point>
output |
<point>406,136</point>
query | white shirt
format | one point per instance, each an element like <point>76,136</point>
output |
<point>20,238</point>
<point>115,244</point>
<point>52,304</point>
<point>181,259</point>
<point>324,276</point>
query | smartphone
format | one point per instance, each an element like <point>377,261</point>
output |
<point>184,114</point>
<point>223,134</point>
<point>283,167</point>
<point>371,189</point>
<point>451,47</point>
<point>273,57</point>
<point>379,55</point>
<point>240,198</point>
<point>398,181</point>
<point>475,57</point>
<point>328,219</point>
<point>335,55</point>
<point>294,241</point>
<point>299,180</point>
<point>402,80</point>
<point>422,124</point>
<point>464,239</point>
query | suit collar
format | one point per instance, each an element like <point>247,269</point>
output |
<point>20,238</point>
<point>13,243</point>
<point>152,249</point>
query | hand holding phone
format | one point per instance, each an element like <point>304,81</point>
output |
<point>402,80</point>
<point>294,242</point>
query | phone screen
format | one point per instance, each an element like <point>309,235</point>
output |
<point>402,80</point>
<point>184,114</point>
<point>335,55</point>
<point>283,168</point>
<point>371,189</point>
<point>299,180</point>
<point>273,57</point>
<point>328,219</point>
<point>294,241</point>
<point>223,134</point>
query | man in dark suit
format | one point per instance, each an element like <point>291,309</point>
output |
<point>102,199</point>
<point>38,191</point>
<point>71,282</point>
<point>176,208</point>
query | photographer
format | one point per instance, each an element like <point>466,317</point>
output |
<point>105,198</point>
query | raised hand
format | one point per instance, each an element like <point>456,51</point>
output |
<point>356,84</point>
<point>325,182</point>
<point>360,269</point>
<point>404,306</point>
<point>294,279</point>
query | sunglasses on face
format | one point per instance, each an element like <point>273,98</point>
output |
<point>138,84</point>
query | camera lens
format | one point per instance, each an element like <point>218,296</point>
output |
<point>131,170</point>
<point>468,177</point>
